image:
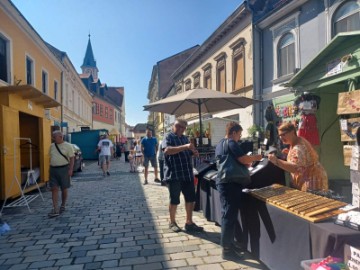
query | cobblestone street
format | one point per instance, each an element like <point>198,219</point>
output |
<point>111,222</point>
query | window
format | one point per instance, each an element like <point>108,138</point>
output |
<point>196,77</point>
<point>94,108</point>
<point>44,80</point>
<point>220,73</point>
<point>207,76</point>
<point>101,110</point>
<point>29,71</point>
<point>347,18</point>
<point>110,113</point>
<point>106,112</point>
<point>187,84</point>
<point>4,60</point>
<point>286,55</point>
<point>55,90</point>
<point>238,64</point>
<point>97,108</point>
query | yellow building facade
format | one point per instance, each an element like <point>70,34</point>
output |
<point>30,96</point>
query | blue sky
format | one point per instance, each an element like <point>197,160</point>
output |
<point>128,36</point>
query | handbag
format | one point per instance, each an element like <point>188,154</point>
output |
<point>230,170</point>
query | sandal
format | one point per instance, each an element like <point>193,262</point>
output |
<point>53,213</point>
<point>62,209</point>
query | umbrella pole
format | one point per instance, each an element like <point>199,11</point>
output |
<point>200,122</point>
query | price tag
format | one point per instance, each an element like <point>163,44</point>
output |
<point>343,124</point>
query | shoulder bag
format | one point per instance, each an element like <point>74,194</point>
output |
<point>230,170</point>
<point>57,147</point>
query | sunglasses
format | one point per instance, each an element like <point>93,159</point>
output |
<point>283,134</point>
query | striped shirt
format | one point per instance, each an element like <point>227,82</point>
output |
<point>177,167</point>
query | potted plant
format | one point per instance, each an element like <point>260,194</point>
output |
<point>255,129</point>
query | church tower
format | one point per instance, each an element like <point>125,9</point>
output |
<point>89,64</point>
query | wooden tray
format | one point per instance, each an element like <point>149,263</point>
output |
<point>311,207</point>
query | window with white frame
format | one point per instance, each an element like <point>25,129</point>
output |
<point>44,81</point>
<point>29,71</point>
<point>286,54</point>
<point>4,59</point>
<point>346,18</point>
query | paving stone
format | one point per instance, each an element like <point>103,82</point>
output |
<point>80,260</point>
<point>95,265</point>
<point>42,264</point>
<point>63,262</point>
<point>148,266</point>
<point>110,263</point>
<point>174,264</point>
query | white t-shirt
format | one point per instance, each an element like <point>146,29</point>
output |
<point>138,152</point>
<point>105,147</point>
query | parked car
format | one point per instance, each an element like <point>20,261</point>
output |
<point>78,162</point>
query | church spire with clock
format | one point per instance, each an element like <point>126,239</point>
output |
<point>89,64</point>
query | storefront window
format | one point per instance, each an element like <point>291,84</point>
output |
<point>347,18</point>
<point>286,55</point>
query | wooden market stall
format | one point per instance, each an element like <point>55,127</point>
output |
<point>25,137</point>
<point>336,69</point>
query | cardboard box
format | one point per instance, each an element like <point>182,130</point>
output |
<point>355,190</point>
<point>356,201</point>
<point>354,176</point>
<point>352,257</point>
<point>355,151</point>
<point>355,164</point>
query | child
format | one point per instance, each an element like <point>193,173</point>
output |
<point>131,158</point>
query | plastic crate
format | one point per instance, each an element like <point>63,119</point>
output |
<point>306,265</point>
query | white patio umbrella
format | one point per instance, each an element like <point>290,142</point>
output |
<point>201,100</point>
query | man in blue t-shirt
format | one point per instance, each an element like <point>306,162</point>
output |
<point>149,147</point>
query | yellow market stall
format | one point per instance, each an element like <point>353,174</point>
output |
<point>25,137</point>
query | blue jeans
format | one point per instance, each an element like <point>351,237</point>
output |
<point>231,198</point>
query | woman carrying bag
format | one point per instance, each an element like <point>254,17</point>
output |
<point>233,176</point>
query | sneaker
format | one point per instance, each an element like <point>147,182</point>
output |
<point>157,180</point>
<point>108,173</point>
<point>145,182</point>
<point>193,228</point>
<point>163,183</point>
<point>174,227</point>
<point>231,254</point>
<point>62,209</point>
<point>53,213</point>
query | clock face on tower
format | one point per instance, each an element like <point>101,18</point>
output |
<point>88,70</point>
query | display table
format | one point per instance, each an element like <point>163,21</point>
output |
<point>282,240</point>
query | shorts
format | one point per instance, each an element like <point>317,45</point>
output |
<point>187,188</point>
<point>104,158</point>
<point>152,160</point>
<point>59,177</point>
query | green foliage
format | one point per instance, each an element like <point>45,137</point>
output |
<point>253,129</point>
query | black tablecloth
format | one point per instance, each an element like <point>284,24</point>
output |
<point>328,238</point>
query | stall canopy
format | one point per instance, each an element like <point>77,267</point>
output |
<point>31,93</point>
<point>337,62</point>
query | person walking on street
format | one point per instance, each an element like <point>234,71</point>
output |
<point>161,158</point>
<point>61,169</point>
<point>179,174</point>
<point>149,146</point>
<point>138,154</point>
<point>106,149</point>
<point>126,148</point>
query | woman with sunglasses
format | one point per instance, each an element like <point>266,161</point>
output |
<point>302,161</point>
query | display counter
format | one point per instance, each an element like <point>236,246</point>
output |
<point>281,240</point>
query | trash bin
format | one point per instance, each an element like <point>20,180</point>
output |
<point>199,172</point>
<point>205,185</point>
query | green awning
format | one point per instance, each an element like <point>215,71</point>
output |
<point>337,62</point>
